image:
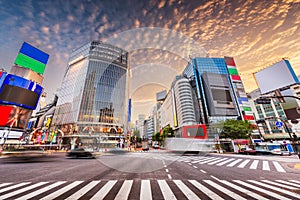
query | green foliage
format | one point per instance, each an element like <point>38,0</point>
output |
<point>236,129</point>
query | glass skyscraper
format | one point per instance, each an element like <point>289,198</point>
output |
<point>92,97</point>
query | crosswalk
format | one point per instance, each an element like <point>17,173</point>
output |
<point>153,189</point>
<point>254,164</point>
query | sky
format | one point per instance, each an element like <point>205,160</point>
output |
<point>160,36</point>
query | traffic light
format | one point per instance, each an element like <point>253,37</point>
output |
<point>263,100</point>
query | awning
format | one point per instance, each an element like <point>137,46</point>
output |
<point>278,136</point>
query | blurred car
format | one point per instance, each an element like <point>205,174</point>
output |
<point>80,153</point>
<point>145,148</point>
<point>155,145</point>
<point>280,152</point>
<point>247,151</point>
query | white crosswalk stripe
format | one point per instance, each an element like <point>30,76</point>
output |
<point>278,167</point>
<point>169,189</point>
<point>254,164</point>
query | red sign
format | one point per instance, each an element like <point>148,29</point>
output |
<point>248,117</point>
<point>235,77</point>
<point>194,131</point>
<point>14,116</point>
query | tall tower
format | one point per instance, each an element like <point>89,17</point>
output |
<point>92,97</point>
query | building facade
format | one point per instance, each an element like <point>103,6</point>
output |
<point>92,97</point>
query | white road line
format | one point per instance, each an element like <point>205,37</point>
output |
<point>169,176</point>
<point>186,191</point>
<point>266,165</point>
<point>202,159</point>
<point>217,161</point>
<point>195,166</point>
<point>276,189</point>
<point>234,163</point>
<point>243,164</point>
<point>295,181</point>
<point>125,190</point>
<point>165,189</point>
<point>224,162</point>
<point>61,191</point>
<point>261,190</point>
<point>167,170</point>
<point>145,193</point>
<point>224,190</point>
<point>104,190</point>
<point>203,171</point>
<point>201,163</point>
<point>280,185</point>
<point>205,190</point>
<point>83,190</point>
<point>254,164</point>
<point>14,186</point>
<point>288,183</point>
<point>22,190</point>
<point>252,194</point>
<point>278,167</point>
<point>40,191</point>
<point>5,184</point>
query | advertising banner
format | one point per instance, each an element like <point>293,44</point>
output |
<point>27,74</point>
<point>14,116</point>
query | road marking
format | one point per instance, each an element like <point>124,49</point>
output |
<point>252,194</point>
<point>243,164</point>
<point>224,190</point>
<point>295,181</point>
<point>22,190</point>
<point>266,166</point>
<point>280,185</point>
<point>195,166</point>
<point>14,186</point>
<point>190,163</point>
<point>124,191</point>
<point>167,170</point>
<point>186,191</point>
<point>61,191</point>
<point>278,167</point>
<point>203,159</point>
<point>215,162</point>
<point>203,171</point>
<point>5,184</point>
<point>83,190</point>
<point>104,190</point>
<point>145,193</point>
<point>40,191</point>
<point>275,188</point>
<point>226,161</point>
<point>165,189</point>
<point>261,190</point>
<point>169,176</point>
<point>254,164</point>
<point>234,163</point>
<point>286,182</point>
<point>207,161</point>
<point>205,190</point>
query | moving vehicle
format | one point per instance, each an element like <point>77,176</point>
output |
<point>80,153</point>
<point>280,152</point>
<point>247,151</point>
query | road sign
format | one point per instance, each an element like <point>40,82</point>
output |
<point>279,124</point>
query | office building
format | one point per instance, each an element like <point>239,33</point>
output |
<point>92,96</point>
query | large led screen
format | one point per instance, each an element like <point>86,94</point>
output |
<point>27,74</point>
<point>15,95</point>
<point>278,75</point>
<point>14,80</point>
<point>34,53</point>
<point>14,116</point>
<point>27,62</point>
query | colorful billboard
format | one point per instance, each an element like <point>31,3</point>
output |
<point>27,74</point>
<point>278,76</point>
<point>32,58</point>
<point>14,116</point>
<point>18,91</point>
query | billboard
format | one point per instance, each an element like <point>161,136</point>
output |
<point>290,106</point>
<point>27,74</point>
<point>14,116</point>
<point>161,96</point>
<point>32,58</point>
<point>2,77</point>
<point>277,76</point>
<point>18,91</point>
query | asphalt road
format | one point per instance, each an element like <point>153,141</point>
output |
<point>151,175</point>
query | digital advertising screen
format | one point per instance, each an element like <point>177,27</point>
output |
<point>14,116</point>
<point>34,53</point>
<point>278,75</point>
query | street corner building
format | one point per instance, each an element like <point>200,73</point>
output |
<point>92,96</point>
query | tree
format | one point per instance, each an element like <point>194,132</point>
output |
<point>236,129</point>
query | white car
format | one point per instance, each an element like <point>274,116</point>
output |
<point>280,152</point>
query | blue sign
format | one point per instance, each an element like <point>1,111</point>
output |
<point>279,124</point>
<point>34,53</point>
